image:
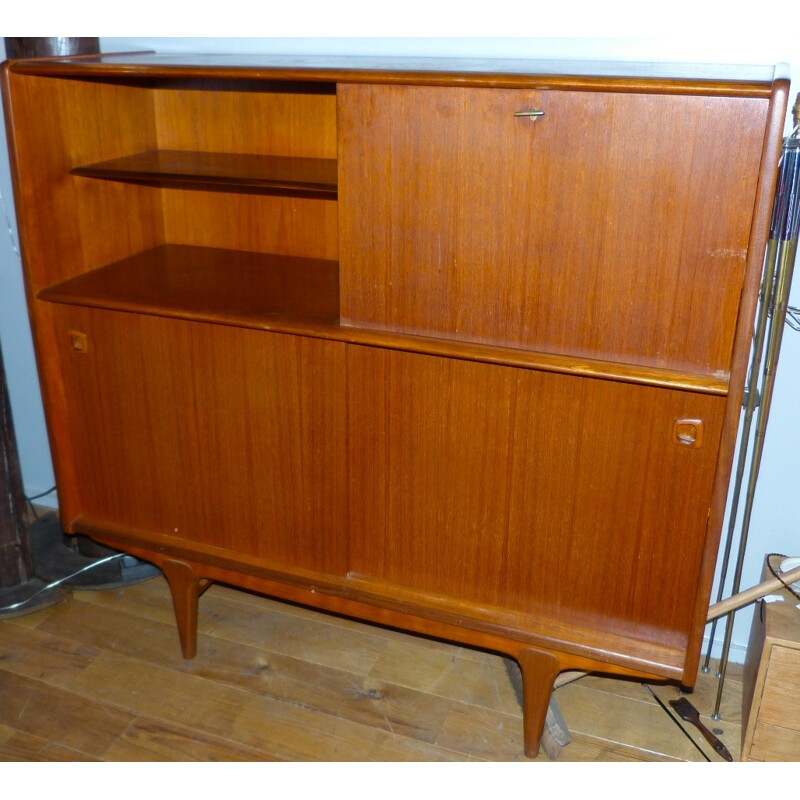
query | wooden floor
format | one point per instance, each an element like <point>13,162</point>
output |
<point>99,677</point>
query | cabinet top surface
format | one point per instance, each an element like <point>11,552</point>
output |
<point>476,71</point>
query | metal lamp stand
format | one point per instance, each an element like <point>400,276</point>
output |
<point>767,338</point>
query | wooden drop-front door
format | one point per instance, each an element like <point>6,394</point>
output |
<point>615,226</point>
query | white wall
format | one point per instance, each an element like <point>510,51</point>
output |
<point>775,525</point>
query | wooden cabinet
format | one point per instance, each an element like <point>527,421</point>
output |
<point>771,696</point>
<point>453,347</point>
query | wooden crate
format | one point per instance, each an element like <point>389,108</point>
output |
<point>771,697</point>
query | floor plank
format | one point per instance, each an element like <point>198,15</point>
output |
<point>100,676</point>
<point>348,695</point>
<point>449,672</point>
<point>64,718</point>
<point>19,746</point>
<point>623,720</point>
<point>311,638</point>
<point>153,740</point>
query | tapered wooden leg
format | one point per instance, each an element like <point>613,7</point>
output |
<point>185,588</point>
<point>539,672</point>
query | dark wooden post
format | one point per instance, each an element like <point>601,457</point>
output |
<point>16,562</point>
<point>34,47</point>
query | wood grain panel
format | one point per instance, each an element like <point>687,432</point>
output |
<point>203,117</point>
<point>221,117</point>
<point>429,471</point>
<point>460,220</point>
<point>510,488</point>
<point>283,225</point>
<point>223,436</point>
<point>600,482</point>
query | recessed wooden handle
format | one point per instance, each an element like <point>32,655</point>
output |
<point>78,341</point>
<point>688,432</point>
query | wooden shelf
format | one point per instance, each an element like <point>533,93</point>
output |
<point>210,284</point>
<point>301,296</point>
<point>307,177</point>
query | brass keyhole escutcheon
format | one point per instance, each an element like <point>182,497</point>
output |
<point>533,114</point>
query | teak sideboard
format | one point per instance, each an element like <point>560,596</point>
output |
<point>456,347</point>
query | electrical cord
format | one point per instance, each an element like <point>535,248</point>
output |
<point>42,494</point>
<point>54,584</point>
<point>676,721</point>
<point>777,574</point>
<point>36,497</point>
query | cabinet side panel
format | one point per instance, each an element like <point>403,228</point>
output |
<point>73,224</point>
<point>753,679</point>
<point>559,497</point>
<point>221,436</point>
<point>609,227</point>
<point>740,362</point>
<point>69,225</point>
